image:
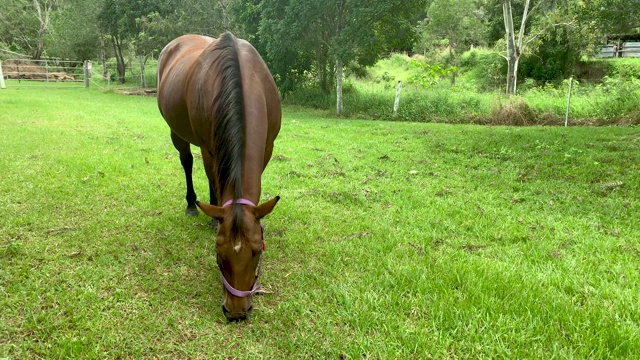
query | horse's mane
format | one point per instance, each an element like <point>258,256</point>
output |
<point>227,108</point>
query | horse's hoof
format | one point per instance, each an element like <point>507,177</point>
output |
<point>192,210</point>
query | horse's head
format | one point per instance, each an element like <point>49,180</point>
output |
<point>239,249</point>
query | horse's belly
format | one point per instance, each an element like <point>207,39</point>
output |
<point>177,117</point>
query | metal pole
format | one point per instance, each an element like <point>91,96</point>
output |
<point>2,86</point>
<point>566,118</point>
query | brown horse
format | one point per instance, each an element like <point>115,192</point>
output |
<point>218,94</point>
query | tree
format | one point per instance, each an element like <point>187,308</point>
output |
<point>322,37</point>
<point>75,33</point>
<point>459,23</point>
<point>515,48</point>
<point>42,11</point>
<point>610,17</point>
<point>24,24</point>
<point>120,20</point>
<point>365,30</point>
<point>155,32</point>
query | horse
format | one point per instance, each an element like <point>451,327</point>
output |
<point>219,95</point>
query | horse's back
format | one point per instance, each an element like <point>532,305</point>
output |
<point>187,84</point>
<point>176,65</point>
<point>260,89</point>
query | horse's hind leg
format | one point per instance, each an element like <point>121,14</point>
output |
<point>186,159</point>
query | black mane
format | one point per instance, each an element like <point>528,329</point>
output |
<point>228,121</point>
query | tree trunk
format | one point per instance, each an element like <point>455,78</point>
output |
<point>142,60</point>
<point>452,63</point>
<point>37,55</point>
<point>120,66</point>
<point>512,75</point>
<point>513,53</point>
<point>339,87</point>
<point>42,14</point>
<point>103,58</point>
<point>224,6</point>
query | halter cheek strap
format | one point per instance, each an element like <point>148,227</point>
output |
<point>255,288</point>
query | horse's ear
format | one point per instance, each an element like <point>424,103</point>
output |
<point>266,208</point>
<point>215,212</point>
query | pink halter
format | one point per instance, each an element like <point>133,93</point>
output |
<point>255,288</point>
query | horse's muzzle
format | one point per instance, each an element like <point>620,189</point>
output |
<point>236,316</point>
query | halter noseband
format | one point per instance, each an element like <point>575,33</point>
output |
<point>255,288</point>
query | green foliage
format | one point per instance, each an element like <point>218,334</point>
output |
<point>553,60</point>
<point>607,17</point>
<point>304,38</point>
<point>623,68</point>
<point>483,68</point>
<point>475,100</point>
<point>451,23</point>
<point>429,75</point>
<point>19,26</point>
<point>76,33</point>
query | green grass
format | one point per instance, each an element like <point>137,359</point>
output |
<point>392,240</point>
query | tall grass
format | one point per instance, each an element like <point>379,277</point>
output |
<point>615,100</point>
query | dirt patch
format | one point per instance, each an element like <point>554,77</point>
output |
<point>137,91</point>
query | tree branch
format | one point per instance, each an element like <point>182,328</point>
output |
<point>525,16</point>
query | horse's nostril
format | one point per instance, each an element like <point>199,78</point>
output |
<point>235,316</point>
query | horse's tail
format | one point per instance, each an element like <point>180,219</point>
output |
<point>228,117</point>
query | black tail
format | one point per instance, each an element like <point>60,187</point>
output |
<point>228,114</point>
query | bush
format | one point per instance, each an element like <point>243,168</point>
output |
<point>484,68</point>
<point>513,111</point>
<point>416,104</point>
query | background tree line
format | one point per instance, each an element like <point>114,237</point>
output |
<point>313,42</point>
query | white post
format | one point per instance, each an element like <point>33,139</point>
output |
<point>396,104</point>
<point>1,78</point>
<point>87,72</point>
<point>566,117</point>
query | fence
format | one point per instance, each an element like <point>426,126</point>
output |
<point>627,49</point>
<point>25,72</point>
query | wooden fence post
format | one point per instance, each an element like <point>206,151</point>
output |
<point>396,104</point>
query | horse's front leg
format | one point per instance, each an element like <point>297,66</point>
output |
<point>207,161</point>
<point>186,159</point>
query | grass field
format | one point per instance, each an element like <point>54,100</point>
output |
<point>391,241</point>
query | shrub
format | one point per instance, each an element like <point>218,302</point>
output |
<point>484,68</point>
<point>513,111</point>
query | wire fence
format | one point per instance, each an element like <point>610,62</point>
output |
<point>27,72</point>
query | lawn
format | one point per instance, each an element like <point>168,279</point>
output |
<point>392,240</point>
